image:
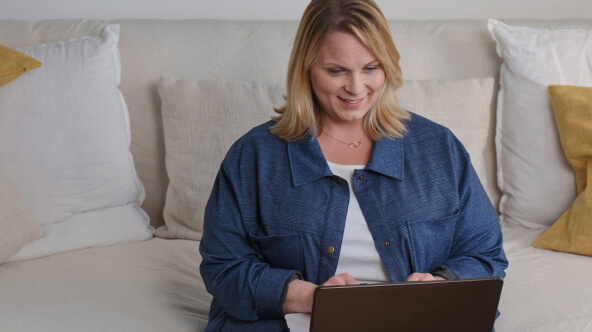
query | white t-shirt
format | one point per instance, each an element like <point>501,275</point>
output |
<point>358,256</point>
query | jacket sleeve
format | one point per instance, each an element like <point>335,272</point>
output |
<point>234,272</point>
<point>477,247</point>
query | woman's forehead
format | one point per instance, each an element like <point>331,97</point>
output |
<point>344,48</point>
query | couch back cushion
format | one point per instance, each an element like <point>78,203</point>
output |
<point>259,51</point>
<point>249,51</point>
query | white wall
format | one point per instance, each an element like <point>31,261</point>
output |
<point>288,9</point>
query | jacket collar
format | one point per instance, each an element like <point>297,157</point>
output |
<point>307,162</point>
<point>388,158</point>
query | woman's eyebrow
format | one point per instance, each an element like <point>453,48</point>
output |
<point>334,64</point>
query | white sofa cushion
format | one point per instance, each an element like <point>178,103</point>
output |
<point>203,118</point>
<point>544,291</point>
<point>64,140</point>
<point>537,182</point>
<point>149,286</point>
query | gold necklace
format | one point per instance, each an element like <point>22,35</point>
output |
<point>352,145</point>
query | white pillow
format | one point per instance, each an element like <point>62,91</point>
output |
<point>203,118</point>
<point>536,181</point>
<point>64,140</point>
<point>17,224</point>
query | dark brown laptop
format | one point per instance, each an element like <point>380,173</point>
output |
<point>458,305</point>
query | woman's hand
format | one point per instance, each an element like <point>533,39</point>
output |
<point>423,277</point>
<point>341,280</point>
<point>300,292</point>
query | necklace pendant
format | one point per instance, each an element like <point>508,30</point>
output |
<point>356,144</point>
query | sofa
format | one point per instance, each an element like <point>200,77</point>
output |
<point>192,87</point>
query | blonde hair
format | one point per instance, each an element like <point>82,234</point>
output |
<point>363,19</point>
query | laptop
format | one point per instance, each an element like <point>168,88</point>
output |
<point>450,305</point>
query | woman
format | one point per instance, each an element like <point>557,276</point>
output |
<point>342,186</point>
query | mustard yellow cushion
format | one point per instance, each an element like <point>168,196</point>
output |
<point>14,63</point>
<point>572,232</point>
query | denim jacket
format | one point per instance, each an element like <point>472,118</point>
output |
<point>276,209</point>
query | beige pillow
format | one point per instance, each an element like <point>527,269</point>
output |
<point>17,224</point>
<point>201,121</point>
<point>14,63</point>
<point>203,118</point>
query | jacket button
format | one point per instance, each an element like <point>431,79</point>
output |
<point>361,177</point>
<point>338,180</point>
<point>386,243</point>
<point>330,249</point>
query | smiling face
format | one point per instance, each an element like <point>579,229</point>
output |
<point>346,79</point>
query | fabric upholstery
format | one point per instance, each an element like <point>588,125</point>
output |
<point>544,291</point>
<point>149,286</point>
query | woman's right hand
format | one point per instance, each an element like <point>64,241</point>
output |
<point>300,292</point>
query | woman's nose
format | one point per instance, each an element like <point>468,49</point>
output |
<point>355,84</point>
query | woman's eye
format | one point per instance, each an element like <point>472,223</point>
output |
<point>371,68</point>
<point>335,71</point>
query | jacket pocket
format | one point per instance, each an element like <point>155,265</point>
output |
<point>280,251</point>
<point>431,241</point>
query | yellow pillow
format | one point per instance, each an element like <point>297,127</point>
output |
<point>572,232</point>
<point>14,63</point>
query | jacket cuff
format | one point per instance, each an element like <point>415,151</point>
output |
<point>292,277</point>
<point>444,273</point>
<point>269,291</point>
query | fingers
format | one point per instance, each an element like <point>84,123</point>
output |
<point>423,277</point>
<point>346,279</point>
<point>341,280</point>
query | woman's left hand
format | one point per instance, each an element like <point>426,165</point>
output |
<point>423,277</point>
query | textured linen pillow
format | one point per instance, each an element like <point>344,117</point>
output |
<point>534,176</point>
<point>17,225</point>
<point>201,121</point>
<point>13,64</point>
<point>66,147</point>
<point>572,232</point>
<point>203,118</point>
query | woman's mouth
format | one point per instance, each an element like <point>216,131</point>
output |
<point>351,101</point>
